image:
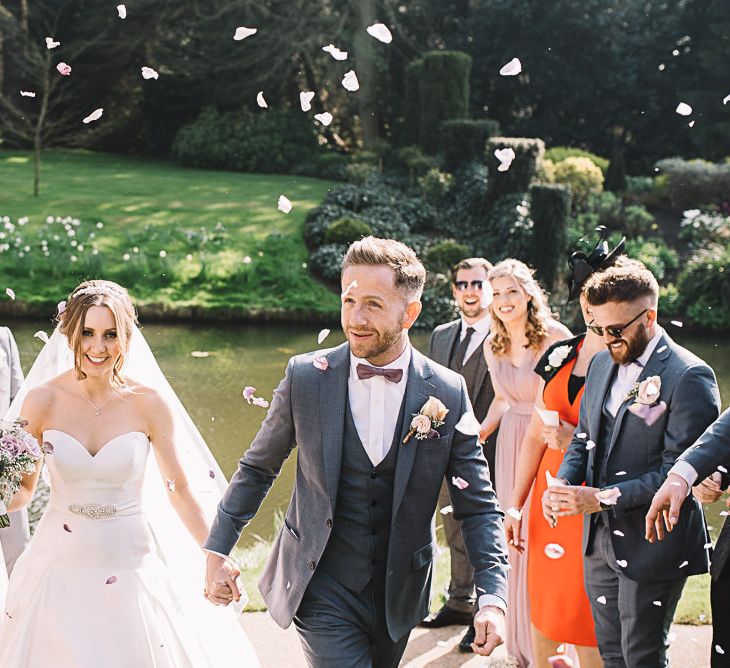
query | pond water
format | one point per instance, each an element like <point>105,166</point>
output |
<point>241,355</point>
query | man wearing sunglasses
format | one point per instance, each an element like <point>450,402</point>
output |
<point>458,345</point>
<point>646,400</point>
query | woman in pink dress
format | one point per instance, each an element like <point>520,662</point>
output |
<point>522,328</point>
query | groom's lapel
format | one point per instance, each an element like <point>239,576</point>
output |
<point>332,398</point>
<point>417,393</point>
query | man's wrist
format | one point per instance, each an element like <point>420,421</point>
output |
<point>492,601</point>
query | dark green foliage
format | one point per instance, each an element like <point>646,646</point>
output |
<point>412,102</point>
<point>326,261</point>
<point>654,253</point>
<point>331,166</point>
<point>438,304</point>
<point>443,93</point>
<point>416,161</point>
<point>704,288</point>
<point>695,183</point>
<point>464,140</point>
<point>346,230</point>
<point>270,142</point>
<point>611,211</point>
<point>443,255</point>
<point>549,208</point>
<point>616,172</point>
<point>435,186</point>
<point>517,179</point>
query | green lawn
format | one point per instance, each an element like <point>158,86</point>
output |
<point>173,235</point>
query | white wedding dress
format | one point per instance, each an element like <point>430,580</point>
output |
<point>92,589</point>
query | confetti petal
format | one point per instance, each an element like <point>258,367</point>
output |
<point>458,482</point>
<point>561,649</point>
<point>662,349</point>
<point>560,661</point>
<point>260,402</point>
<point>284,205</point>
<point>601,600</point>
<point>94,115</point>
<point>242,33</point>
<point>322,335</point>
<point>722,469</point>
<point>122,11</point>
<point>554,551</point>
<point>683,564</point>
<point>468,424</point>
<point>620,473</point>
<point>320,363</point>
<point>199,354</point>
<point>380,32</point>
<point>51,44</point>
<point>260,100</point>
<point>346,291</point>
<point>512,68</point>
<point>683,109</point>
<point>581,435</point>
<point>658,604</point>
<point>305,100</point>
<point>350,82</point>
<point>149,73</point>
<point>111,580</point>
<point>64,69</point>
<point>552,481</point>
<point>335,52</point>
<point>211,473</point>
<point>719,649</point>
<point>590,445</point>
<point>618,533</point>
<point>622,562</point>
<point>677,323</point>
<point>447,510</point>
<point>10,293</point>
<point>609,496</point>
<point>505,157</point>
<point>650,414</point>
<point>170,485</point>
<point>40,334</point>
<point>47,448</point>
<point>726,99</point>
<point>248,393</point>
<point>27,93</point>
<point>67,528</point>
<point>691,124</point>
<point>324,118</point>
<point>60,307</point>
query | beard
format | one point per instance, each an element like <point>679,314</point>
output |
<point>382,342</point>
<point>632,349</point>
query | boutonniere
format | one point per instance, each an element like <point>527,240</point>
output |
<point>425,422</point>
<point>557,357</point>
<point>646,400</point>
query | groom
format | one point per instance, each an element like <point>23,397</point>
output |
<point>352,564</point>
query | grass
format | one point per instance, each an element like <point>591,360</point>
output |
<point>173,235</point>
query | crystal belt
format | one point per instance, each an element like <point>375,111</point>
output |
<point>93,511</point>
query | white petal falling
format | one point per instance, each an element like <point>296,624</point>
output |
<point>446,510</point>
<point>27,93</point>
<point>590,445</point>
<point>322,336</point>
<point>122,11</point>
<point>94,115</point>
<point>726,99</point>
<point>554,551</point>
<point>346,291</point>
<point>284,205</point>
<point>487,295</point>
<point>658,604</point>
<point>305,100</point>
<point>324,118</point>
<point>41,335</point>
<point>683,109</point>
<point>242,33</point>
<point>512,68</point>
<point>260,100</point>
<point>691,124</point>
<point>622,562</point>
<point>468,424</point>
<point>10,293</point>
<point>552,481</point>
<point>51,44</point>
<point>335,52</point>
<point>505,157</point>
<point>350,82</point>
<point>601,600</point>
<point>149,73</point>
<point>380,32</point>
<point>677,323</point>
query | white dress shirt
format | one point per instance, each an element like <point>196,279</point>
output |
<point>628,374</point>
<point>481,330</point>
<point>375,405</point>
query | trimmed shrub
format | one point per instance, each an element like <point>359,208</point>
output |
<point>443,255</point>
<point>326,261</point>
<point>360,173</point>
<point>695,183</point>
<point>412,102</point>
<point>438,304</point>
<point>549,209</point>
<point>346,230</point>
<point>522,171</point>
<point>559,153</point>
<point>416,161</point>
<point>435,185</point>
<point>463,140</point>
<point>583,177</point>
<point>616,172</point>
<point>654,253</point>
<point>507,229</point>
<point>319,219</point>
<point>704,288</point>
<point>443,90</point>
<point>330,165</point>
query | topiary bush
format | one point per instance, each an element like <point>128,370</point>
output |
<point>582,175</point>
<point>559,153</point>
<point>441,256</point>
<point>507,230</point>
<point>704,288</point>
<point>326,261</point>
<point>359,173</point>
<point>412,102</point>
<point>522,171</point>
<point>416,161</point>
<point>438,304</point>
<point>616,172</point>
<point>549,209</point>
<point>463,140</point>
<point>346,230</point>
<point>695,183</point>
<point>443,90</point>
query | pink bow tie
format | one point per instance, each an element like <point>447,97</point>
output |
<point>365,371</point>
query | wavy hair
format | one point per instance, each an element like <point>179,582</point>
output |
<point>538,311</point>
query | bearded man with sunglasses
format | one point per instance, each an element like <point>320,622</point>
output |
<point>458,346</point>
<point>646,400</point>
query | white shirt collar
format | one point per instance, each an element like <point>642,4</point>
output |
<point>653,342</point>
<point>481,326</point>
<point>403,361</point>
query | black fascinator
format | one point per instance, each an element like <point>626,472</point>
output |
<point>582,266</point>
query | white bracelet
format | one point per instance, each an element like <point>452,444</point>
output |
<point>514,513</point>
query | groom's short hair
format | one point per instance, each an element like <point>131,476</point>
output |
<point>627,282</point>
<point>410,274</point>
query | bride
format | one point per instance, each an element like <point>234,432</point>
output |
<point>111,578</point>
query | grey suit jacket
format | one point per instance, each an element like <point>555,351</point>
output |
<point>11,373</point>
<point>308,410</point>
<point>640,456</point>
<point>711,450</point>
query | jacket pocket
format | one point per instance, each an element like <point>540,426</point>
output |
<point>422,556</point>
<point>291,531</point>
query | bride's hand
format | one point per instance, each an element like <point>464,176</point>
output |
<point>220,580</point>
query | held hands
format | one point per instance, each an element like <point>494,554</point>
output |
<point>558,438</point>
<point>708,491</point>
<point>489,625</point>
<point>567,500</point>
<point>665,507</point>
<point>220,580</point>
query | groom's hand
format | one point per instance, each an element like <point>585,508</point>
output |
<point>489,625</point>
<point>220,580</point>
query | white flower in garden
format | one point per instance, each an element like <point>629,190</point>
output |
<point>247,259</point>
<point>335,52</point>
<point>243,32</point>
<point>149,73</point>
<point>350,82</point>
<point>305,100</point>
<point>126,257</point>
<point>380,32</point>
<point>683,109</point>
<point>261,101</point>
<point>73,258</point>
<point>512,68</point>
<point>135,249</point>
<point>49,219</point>
<point>99,225</point>
<point>324,118</point>
<point>51,44</point>
<point>189,257</point>
<point>163,254</point>
<point>94,115</point>
<point>284,205</point>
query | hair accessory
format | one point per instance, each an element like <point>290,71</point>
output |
<point>99,290</point>
<point>582,265</point>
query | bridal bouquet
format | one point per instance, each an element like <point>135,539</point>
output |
<point>19,451</point>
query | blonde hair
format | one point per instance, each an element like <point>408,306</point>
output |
<point>98,293</point>
<point>538,311</point>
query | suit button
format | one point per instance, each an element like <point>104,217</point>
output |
<point>329,524</point>
<point>373,475</point>
<point>312,565</point>
<point>373,531</point>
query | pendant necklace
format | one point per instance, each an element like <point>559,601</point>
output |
<point>97,409</point>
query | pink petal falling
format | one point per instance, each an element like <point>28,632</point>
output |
<point>111,579</point>
<point>650,414</point>
<point>458,482</point>
<point>67,528</point>
<point>248,393</point>
<point>321,363</point>
<point>560,661</point>
<point>64,69</point>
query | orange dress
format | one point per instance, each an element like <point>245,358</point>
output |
<point>559,606</point>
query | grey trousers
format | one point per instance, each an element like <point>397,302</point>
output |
<point>14,538</point>
<point>631,629</point>
<point>461,593</point>
<point>338,627</point>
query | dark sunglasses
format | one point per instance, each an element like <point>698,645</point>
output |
<point>613,330</point>
<point>464,285</point>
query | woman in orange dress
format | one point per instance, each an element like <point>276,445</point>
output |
<point>559,609</point>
